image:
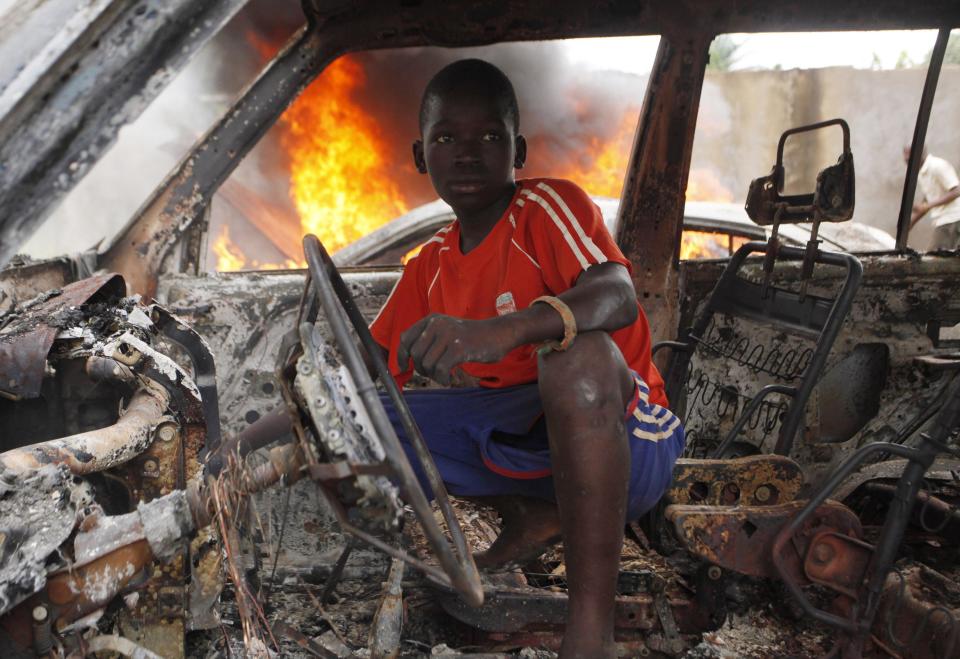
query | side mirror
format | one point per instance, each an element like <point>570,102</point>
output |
<point>832,201</point>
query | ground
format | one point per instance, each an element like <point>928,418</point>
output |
<point>762,622</point>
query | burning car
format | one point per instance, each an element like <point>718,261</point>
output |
<point>710,230</point>
<point>819,389</point>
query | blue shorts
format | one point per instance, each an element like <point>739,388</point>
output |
<point>494,442</point>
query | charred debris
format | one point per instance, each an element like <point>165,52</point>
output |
<point>815,511</point>
<point>130,524</point>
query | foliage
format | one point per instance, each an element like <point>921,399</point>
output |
<point>723,53</point>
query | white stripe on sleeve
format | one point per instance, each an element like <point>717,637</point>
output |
<point>560,225</point>
<point>587,240</point>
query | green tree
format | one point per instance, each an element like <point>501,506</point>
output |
<point>904,61</point>
<point>723,53</point>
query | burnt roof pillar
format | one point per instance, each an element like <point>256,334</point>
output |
<point>650,221</point>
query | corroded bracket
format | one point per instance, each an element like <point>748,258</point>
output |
<point>741,538</point>
<point>758,480</point>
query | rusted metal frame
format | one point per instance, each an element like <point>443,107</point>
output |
<point>920,136</point>
<point>338,305</point>
<point>23,355</point>
<point>650,217</point>
<point>749,410</point>
<point>899,510</point>
<point>97,450</point>
<point>57,121</point>
<point>204,370</point>
<point>837,561</point>
<point>758,480</point>
<point>469,24</point>
<point>742,538</point>
<point>790,529</point>
<point>803,204</point>
<point>268,429</point>
<point>916,617</point>
<point>387,625</point>
<point>724,299</point>
<point>333,579</point>
<point>140,249</point>
<point>949,516</point>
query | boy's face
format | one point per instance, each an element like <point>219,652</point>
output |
<point>470,149</point>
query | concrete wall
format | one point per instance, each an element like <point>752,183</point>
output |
<point>742,114</point>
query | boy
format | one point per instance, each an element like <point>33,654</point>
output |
<point>527,296</point>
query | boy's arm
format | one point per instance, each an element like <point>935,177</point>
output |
<point>603,298</point>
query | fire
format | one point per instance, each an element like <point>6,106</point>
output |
<point>344,181</point>
<point>339,179</point>
<point>229,256</point>
<point>600,166</point>
<point>707,245</point>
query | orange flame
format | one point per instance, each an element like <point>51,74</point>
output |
<point>343,185</point>
<point>600,166</point>
<point>229,256</point>
<point>339,181</point>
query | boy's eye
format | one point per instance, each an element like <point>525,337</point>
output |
<point>443,139</point>
<point>490,137</point>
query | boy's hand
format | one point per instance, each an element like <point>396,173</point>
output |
<point>437,344</point>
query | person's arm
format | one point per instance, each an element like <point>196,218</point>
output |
<point>924,207</point>
<point>603,298</point>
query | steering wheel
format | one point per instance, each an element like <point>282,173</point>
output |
<point>458,570</point>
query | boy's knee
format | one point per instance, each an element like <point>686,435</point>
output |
<point>588,374</point>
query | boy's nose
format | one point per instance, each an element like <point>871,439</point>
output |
<point>466,154</point>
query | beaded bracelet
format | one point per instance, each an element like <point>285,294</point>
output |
<point>569,325</point>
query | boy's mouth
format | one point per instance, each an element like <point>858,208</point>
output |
<point>466,186</point>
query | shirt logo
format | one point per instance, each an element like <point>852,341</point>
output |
<point>505,304</point>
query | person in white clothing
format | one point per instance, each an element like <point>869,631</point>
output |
<point>940,187</point>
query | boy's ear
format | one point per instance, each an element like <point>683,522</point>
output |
<point>418,159</point>
<point>521,152</point>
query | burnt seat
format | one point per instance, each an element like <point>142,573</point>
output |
<point>741,375</point>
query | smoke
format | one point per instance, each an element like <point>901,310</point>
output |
<point>568,112</point>
<point>565,110</point>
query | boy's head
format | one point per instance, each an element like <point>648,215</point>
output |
<point>469,135</point>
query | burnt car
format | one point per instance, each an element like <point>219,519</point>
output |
<point>818,388</point>
<point>710,230</point>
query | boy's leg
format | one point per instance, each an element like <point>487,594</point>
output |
<point>585,391</point>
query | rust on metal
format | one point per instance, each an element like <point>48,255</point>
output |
<point>741,538</point>
<point>918,615</point>
<point>26,338</point>
<point>650,218</point>
<point>838,561</point>
<point>80,590</point>
<point>759,480</point>
<point>97,450</point>
<point>384,641</point>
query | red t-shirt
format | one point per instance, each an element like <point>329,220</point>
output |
<point>547,237</point>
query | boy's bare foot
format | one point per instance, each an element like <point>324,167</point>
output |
<point>530,527</point>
